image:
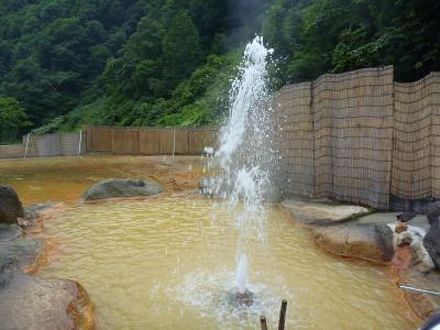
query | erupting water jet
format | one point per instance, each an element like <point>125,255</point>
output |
<point>246,154</point>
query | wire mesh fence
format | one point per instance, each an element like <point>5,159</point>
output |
<point>59,144</point>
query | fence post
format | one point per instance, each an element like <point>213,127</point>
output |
<point>80,143</point>
<point>26,145</point>
<point>263,322</point>
<point>174,142</point>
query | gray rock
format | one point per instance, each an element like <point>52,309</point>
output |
<point>122,188</point>
<point>321,211</point>
<point>31,215</point>
<point>373,242</point>
<point>17,250</point>
<point>431,241</point>
<point>29,302</point>
<point>10,232</point>
<point>10,206</point>
<point>390,218</point>
<point>384,239</point>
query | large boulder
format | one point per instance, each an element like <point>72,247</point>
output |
<point>29,302</point>
<point>10,206</point>
<point>431,241</point>
<point>373,242</point>
<point>122,188</point>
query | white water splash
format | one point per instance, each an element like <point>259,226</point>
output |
<point>241,274</point>
<point>212,294</point>
<point>245,155</point>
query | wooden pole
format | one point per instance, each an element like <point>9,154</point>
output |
<point>263,322</point>
<point>282,321</point>
<point>26,147</point>
<point>174,142</point>
<point>80,143</point>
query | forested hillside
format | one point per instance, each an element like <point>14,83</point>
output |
<point>67,63</point>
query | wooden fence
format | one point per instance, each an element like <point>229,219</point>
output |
<point>360,137</point>
<point>149,141</point>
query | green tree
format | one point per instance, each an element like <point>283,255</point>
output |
<point>181,48</point>
<point>12,119</point>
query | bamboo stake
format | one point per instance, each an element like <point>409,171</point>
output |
<point>282,321</point>
<point>263,322</point>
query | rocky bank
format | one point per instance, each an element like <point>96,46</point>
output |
<point>27,301</point>
<point>371,237</point>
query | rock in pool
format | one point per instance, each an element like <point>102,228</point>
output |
<point>10,206</point>
<point>373,242</point>
<point>122,188</point>
<point>238,299</point>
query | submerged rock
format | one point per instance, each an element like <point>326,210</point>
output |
<point>18,250</point>
<point>122,188</point>
<point>238,299</point>
<point>29,302</point>
<point>373,242</point>
<point>209,186</point>
<point>10,206</point>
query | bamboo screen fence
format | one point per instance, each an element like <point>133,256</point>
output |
<point>416,154</point>
<point>360,137</point>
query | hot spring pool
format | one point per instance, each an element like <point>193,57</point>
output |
<point>169,262</point>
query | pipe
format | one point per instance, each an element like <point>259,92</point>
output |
<point>410,288</point>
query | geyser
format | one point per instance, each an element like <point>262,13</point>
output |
<point>246,154</point>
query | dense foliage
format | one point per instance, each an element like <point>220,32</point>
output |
<point>66,63</point>
<point>12,118</point>
<point>317,36</point>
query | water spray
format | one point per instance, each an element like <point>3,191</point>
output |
<point>245,154</point>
